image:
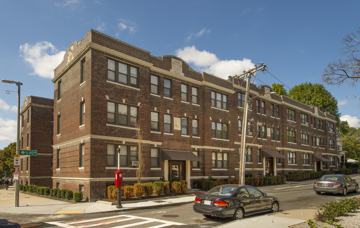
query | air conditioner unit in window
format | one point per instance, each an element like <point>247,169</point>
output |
<point>134,163</point>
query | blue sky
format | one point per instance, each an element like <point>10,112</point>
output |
<point>296,39</point>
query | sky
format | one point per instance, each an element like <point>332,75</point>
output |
<point>295,39</point>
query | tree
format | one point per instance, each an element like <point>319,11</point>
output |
<point>316,95</point>
<point>279,89</point>
<point>344,127</point>
<point>338,72</point>
<point>351,143</point>
<point>7,160</point>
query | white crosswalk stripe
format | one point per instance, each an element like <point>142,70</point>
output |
<point>117,221</point>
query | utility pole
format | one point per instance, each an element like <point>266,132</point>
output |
<point>18,84</point>
<point>247,76</point>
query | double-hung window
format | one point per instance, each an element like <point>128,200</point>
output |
<point>196,164</point>
<point>260,107</point>
<point>57,158</point>
<point>184,92</point>
<point>261,131</point>
<point>59,90</point>
<point>306,159</point>
<point>219,100</point>
<point>241,99</point>
<point>304,118</point>
<point>291,135</point>
<point>82,69</point>
<point>58,127</point>
<point>122,73</point>
<point>195,127</point>
<point>184,126</point>
<point>220,160</point>
<point>291,157</point>
<point>248,154</point>
<point>82,112</point>
<point>239,126</point>
<point>275,110</point>
<point>155,121</point>
<point>291,115</point>
<point>194,95</point>
<point>155,158</point>
<point>275,133</point>
<point>154,84</point>
<point>167,123</point>
<point>167,88</point>
<point>81,154</point>
<point>219,130</point>
<point>128,155</point>
<point>122,114</point>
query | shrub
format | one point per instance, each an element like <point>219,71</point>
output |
<point>111,192</point>
<point>148,188</point>
<point>138,189</point>
<point>330,211</point>
<point>68,195</point>
<point>183,186</point>
<point>166,187</point>
<point>176,187</point>
<point>128,192</point>
<point>158,188</point>
<point>78,196</point>
<point>46,191</point>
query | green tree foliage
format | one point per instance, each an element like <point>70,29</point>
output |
<point>279,89</point>
<point>344,127</point>
<point>351,143</point>
<point>315,94</point>
<point>7,160</point>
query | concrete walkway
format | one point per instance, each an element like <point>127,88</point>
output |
<point>283,219</point>
<point>30,204</point>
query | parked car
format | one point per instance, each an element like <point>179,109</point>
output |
<point>336,184</point>
<point>234,201</point>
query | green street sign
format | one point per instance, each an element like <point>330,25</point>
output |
<point>28,152</point>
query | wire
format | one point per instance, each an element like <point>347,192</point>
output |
<point>278,79</point>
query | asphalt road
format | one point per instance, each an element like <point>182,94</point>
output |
<point>291,196</point>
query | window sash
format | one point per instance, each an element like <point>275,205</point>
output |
<point>196,164</point>
<point>122,73</point>
<point>167,88</point>
<point>155,158</point>
<point>81,155</point>
<point>195,127</point>
<point>167,123</point>
<point>155,121</point>
<point>154,84</point>
<point>184,126</point>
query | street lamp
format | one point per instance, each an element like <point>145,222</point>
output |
<point>18,84</point>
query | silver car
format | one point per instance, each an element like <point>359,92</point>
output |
<point>336,184</point>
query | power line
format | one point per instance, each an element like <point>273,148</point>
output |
<point>278,79</point>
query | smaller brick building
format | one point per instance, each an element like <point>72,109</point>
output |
<point>36,134</point>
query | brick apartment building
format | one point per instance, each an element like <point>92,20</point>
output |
<point>177,123</point>
<point>36,134</point>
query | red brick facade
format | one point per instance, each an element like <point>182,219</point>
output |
<point>83,155</point>
<point>36,134</point>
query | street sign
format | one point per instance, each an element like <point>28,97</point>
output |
<point>16,176</point>
<point>28,152</point>
<point>16,161</point>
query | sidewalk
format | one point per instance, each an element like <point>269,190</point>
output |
<point>283,219</point>
<point>30,204</point>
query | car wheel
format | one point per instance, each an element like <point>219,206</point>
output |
<point>239,214</point>
<point>344,193</point>
<point>356,188</point>
<point>319,193</point>
<point>275,207</point>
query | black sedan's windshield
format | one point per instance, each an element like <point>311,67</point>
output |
<point>223,190</point>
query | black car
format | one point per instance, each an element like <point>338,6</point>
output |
<point>336,184</point>
<point>234,201</point>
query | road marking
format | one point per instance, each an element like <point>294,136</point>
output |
<point>116,219</point>
<point>109,222</point>
<point>133,224</point>
<point>296,186</point>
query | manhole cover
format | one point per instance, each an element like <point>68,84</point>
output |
<point>159,201</point>
<point>170,216</point>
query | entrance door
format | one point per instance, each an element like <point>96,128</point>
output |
<point>318,166</point>
<point>176,170</point>
<point>269,166</point>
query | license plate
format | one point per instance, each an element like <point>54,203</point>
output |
<point>207,202</point>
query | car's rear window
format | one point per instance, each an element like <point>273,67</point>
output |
<point>330,178</point>
<point>223,190</point>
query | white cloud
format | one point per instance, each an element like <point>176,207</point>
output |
<point>6,107</point>
<point>7,130</point>
<point>343,102</point>
<point>210,63</point>
<point>43,57</point>
<point>125,25</point>
<point>67,3</point>
<point>198,34</point>
<point>353,121</point>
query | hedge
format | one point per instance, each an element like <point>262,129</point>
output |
<point>147,189</point>
<point>55,192</point>
<point>331,210</point>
